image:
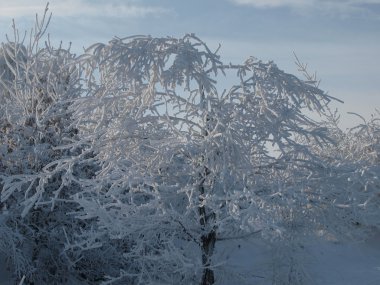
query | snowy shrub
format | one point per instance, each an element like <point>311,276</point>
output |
<point>38,84</point>
<point>351,182</point>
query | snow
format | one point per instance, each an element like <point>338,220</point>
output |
<point>323,262</point>
<point>349,264</point>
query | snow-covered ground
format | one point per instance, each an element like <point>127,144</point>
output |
<point>323,262</point>
<point>350,264</point>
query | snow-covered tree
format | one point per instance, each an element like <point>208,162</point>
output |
<point>183,164</point>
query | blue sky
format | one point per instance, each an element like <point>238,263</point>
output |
<point>340,39</point>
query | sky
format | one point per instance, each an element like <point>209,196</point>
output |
<point>339,39</point>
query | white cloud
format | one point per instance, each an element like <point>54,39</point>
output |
<point>273,3</point>
<point>301,3</point>
<point>67,8</point>
<point>335,7</point>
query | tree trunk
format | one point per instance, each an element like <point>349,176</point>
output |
<point>208,245</point>
<point>208,239</point>
<point>209,235</point>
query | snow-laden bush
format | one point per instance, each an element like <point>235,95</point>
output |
<point>351,185</point>
<point>37,85</point>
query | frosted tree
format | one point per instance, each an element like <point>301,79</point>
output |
<point>183,164</point>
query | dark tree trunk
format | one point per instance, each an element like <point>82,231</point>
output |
<point>208,239</point>
<point>208,244</point>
